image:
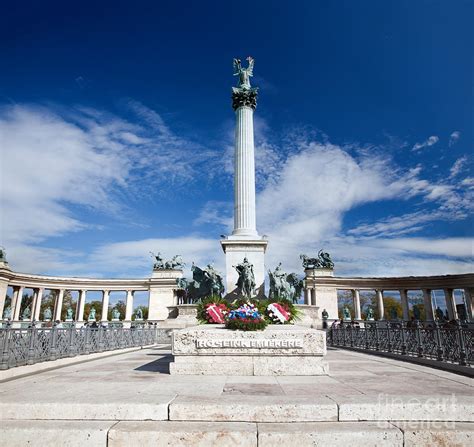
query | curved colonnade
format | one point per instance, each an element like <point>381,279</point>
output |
<point>320,291</point>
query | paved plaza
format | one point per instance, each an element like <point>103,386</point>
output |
<point>130,399</point>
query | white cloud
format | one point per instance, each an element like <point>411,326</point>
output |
<point>427,143</point>
<point>133,257</point>
<point>454,137</point>
<point>88,159</point>
<point>458,166</point>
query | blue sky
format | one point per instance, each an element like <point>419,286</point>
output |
<point>116,133</point>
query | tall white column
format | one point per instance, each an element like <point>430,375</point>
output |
<point>129,306</point>
<point>379,295</point>
<point>37,304</point>
<point>428,304</point>
<point>59,305</point>
<point>105,305</point>
<point>404,303</point>
<point>17,298</point>
<point>356,302</point>
<point>244,183</point>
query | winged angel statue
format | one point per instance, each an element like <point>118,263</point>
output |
<point>244,74</point>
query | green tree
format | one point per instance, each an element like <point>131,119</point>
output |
<point>391,304</point>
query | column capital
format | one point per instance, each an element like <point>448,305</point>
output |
<point>244,98</point>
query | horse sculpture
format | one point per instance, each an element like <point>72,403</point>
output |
<point>283,286</point>
<point>205,282</point>
<point>323,261</point>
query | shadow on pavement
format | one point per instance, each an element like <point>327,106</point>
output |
<point>161,365</point>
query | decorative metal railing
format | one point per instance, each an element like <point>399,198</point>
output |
<point>26,346</point>
<point>452,343</point>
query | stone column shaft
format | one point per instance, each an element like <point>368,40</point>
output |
<point>129,306</point>
<point>313,297</point>
<point>16,306</point>
<point>307,296</point>
<point>81,303</point>
<point>105,305</point>
<point>451,304</point>
<point>59,305</point>
<point>429,313</point>
<point>468,294</point>
<point>3,296</point>
<point>37,304</point>
<point>404,303</point>
<point>380,306</point>
<point>356,303</point>
<point>245,223</point>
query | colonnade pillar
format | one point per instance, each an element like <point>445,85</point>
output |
<point>307,296</point>
<point>429,314</point>
<point>404,303</point>
<point>81,302</point>
<point>451,304</point>
<point>379,295</point>
<point>105,305</point>
<point>58,306</point>
<point>468,295</point>
<point>38,297</point>
<point>356,303</point>
<point>16,302</point>
<point>129,306</point>
<point>313,297</point>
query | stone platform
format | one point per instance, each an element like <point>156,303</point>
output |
<point>131,399</point>
<point>279,350</point>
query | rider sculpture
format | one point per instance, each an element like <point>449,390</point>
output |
<point>246,282</point>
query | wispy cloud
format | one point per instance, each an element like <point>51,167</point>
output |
<point>427,143</point>
<point>458,166</point>
<point>454,137</point>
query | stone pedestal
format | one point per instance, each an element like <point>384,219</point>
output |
<point>309,316</point>
<point>162,293</point>
<point>279,350</point>
<point>181,316</point>
<point>322,296</point>
<point>236,249</point>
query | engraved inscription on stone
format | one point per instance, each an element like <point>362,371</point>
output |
<point>249,343</point>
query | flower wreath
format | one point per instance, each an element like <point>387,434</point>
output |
<point>246,317</point>
<point>212,310</point>
<point>280,311</point>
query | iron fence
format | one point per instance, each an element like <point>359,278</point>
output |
<point>452,343</point>
<point>27,346</point>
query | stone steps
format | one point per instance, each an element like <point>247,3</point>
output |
<point>172,433</point>
<point>245,408</point>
